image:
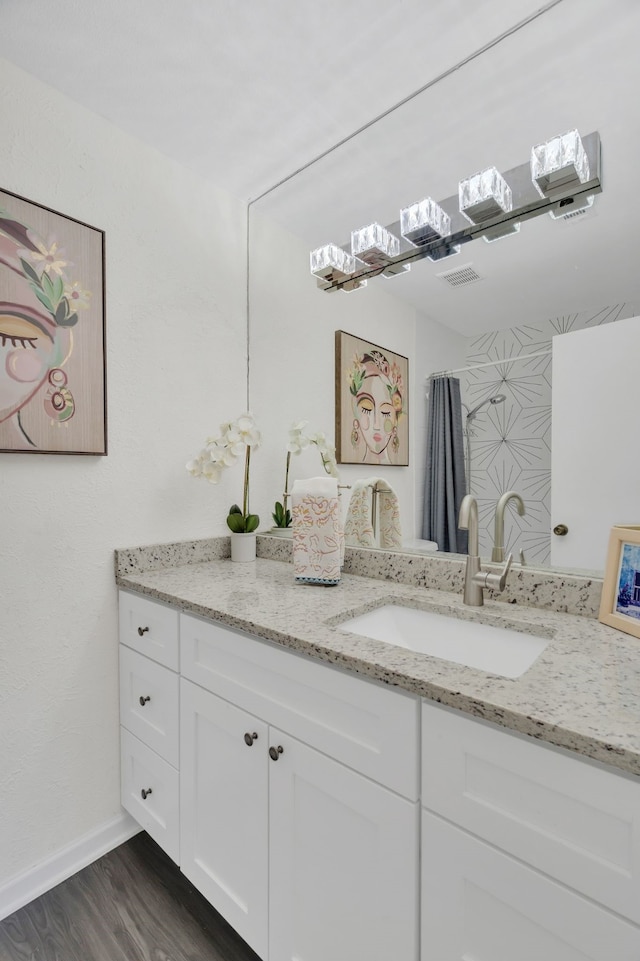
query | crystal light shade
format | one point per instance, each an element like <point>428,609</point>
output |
<point>484,196</point>
<point>559,164</point>
<point>375,245</point>
<point>423,222</point>
<point>327,261</point>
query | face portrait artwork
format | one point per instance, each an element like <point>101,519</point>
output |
<point>51,332</point>
<point>371,403</point>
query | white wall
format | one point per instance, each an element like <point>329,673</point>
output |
<point>176,288</point>
<point>293,326</point>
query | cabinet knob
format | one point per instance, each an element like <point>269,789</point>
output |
<point>275,752</point>
<point>142,630</point>
<point>250,738</point>
<point>146,793</point>
<point>561,530</point>
<point>143,700</point>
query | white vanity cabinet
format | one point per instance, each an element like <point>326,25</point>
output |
<point>299,811</point>
<point>308,796</point>
<point>149,718</point>
<point>527,852</point>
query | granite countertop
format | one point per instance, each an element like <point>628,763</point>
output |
<point>582,693</point>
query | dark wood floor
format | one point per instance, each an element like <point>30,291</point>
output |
<point>131,905</point>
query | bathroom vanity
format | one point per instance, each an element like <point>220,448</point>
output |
<point>310,785</point>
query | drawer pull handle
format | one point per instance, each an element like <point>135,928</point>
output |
<point>143,700</point>
<point>275,752</point>
<point>143,630</point>
<point>250,738</point>
<point>560,530</point>
<point>146,793</point>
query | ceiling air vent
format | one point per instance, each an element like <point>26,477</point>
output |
<point>461,276</point>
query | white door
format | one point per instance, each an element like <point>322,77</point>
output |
<point>343,863</point>
<point>595,455</point>
<point>224,810</point>
<point>481,904</point>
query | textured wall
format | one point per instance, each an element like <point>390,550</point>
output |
<point>510,443</point>
<point>176,288</point>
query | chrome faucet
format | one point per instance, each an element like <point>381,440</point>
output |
<point>497,554</point>
<point>475,579</point>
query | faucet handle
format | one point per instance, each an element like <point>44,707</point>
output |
<point>496,582</point>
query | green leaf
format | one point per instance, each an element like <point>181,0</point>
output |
<point>61,312</point>
<point>42,297</point>
<point>29,272</point>
<point>69,321</point>
<point>47,286</point>
<point>236,523</point>
<point>251,523</point>
<point>234,509</point>
<point>58,288</point>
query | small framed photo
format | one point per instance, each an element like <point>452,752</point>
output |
<point>372,403</point>
<point>620,605</point>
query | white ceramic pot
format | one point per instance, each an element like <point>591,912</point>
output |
<point>243,547</point>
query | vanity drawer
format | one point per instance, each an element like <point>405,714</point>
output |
<point>576,821</point>
<point>149,703</point>
<point>150,792</point>
<point>150,628</point>
<point>370,728</point>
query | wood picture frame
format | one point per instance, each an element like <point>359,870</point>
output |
<point>620,604</point>
<point>371,403</point>
<point>52,331</point>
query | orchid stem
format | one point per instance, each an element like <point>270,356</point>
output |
<point>285,496</point>
<point>245,501</point>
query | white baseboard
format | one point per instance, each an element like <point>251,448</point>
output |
<point>24,887</point>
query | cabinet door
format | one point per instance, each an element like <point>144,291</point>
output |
<point>481,904</point>
<point>224,810</point>
<point>343,862</point>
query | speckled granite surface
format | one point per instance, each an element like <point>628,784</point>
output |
<point>566,593</point>
<point>583,692</point>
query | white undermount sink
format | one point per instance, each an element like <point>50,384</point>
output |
<point>491,648</point>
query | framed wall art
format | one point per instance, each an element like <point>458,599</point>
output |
<point>372,403</point>
<point>52,331</point>
<point>620,605</point>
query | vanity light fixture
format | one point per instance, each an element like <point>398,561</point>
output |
<point>484,196</point>
<point>375,245</point>
<point>568,209</point>
<point>502,230</point>
<point>394,270</point>
<point>424,222</point>
<point>331,263</point>
<point>560,178</point>
<point>559,164</point>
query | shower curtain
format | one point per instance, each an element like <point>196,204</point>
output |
<point>445,482</point>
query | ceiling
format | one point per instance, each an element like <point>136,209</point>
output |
<point>247,93</point>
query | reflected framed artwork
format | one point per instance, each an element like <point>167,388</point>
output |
<point>372,403</point>
<point>52,331</point>
<point>620,605</point>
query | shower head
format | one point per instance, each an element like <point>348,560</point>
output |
<point>496,399</point>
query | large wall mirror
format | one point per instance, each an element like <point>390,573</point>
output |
<point>562,294</point>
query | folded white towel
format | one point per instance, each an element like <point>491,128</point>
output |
<point>317,530</point>
<point>358,527</point>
